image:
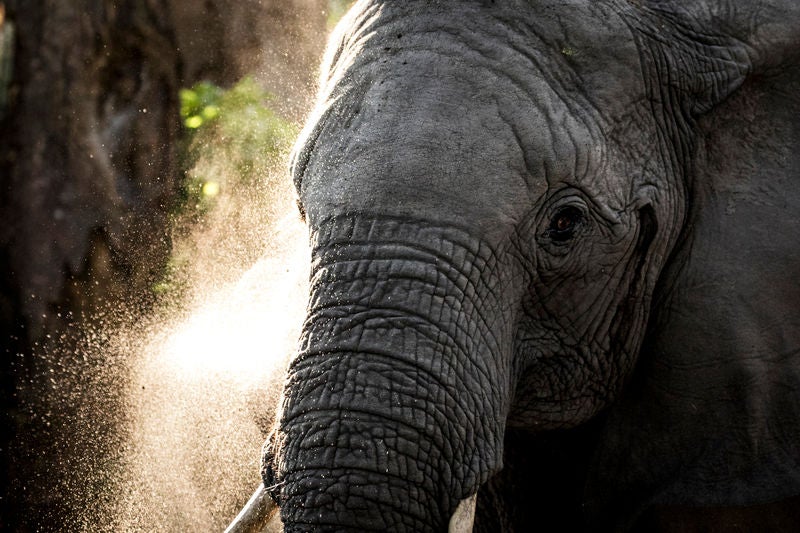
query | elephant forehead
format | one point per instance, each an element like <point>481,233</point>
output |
<point>463,145</point>
<point>585,48</point>
<point>446,116</point>
<point>426,143</point>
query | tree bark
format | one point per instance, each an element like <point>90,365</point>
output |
<point>89,174</point>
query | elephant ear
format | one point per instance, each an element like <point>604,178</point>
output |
<point>711,416</point>
<point>705,50</point>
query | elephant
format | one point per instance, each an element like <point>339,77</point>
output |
<point>555,252</point>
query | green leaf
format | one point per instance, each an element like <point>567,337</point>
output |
<point>193,122</point>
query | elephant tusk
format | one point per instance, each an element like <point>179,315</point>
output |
<point>464,517</point>
<point>256,514</point>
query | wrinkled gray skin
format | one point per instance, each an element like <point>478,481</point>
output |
<point>559,236</point>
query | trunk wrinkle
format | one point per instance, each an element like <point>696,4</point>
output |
<point>395,406</point>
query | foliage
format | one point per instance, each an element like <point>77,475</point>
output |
<point>232,147</point>
<point>233,138</point>
<point>199,104</point>
<point>336,9</point>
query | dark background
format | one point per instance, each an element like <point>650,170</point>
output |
<point>90,171</point>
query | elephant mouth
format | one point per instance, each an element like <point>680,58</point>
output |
<point>261,514</point>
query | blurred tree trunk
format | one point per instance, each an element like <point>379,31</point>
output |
<point>89,173</point>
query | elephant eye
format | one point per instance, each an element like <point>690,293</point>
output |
<point>564,223</point>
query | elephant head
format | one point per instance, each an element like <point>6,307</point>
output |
<point>501,198</point>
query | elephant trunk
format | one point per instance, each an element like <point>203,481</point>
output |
<point>394,408</point>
